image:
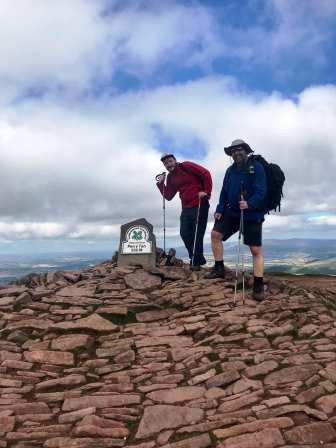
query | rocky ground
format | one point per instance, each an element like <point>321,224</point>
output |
<point>122,357</point>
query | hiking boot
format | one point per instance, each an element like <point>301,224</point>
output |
<point>258,293</point>
<point>215,273</point>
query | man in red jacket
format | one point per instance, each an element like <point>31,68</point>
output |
<point>194,184</point>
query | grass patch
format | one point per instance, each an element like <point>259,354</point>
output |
<point>271,337</point>
<point>131,425</point>
<point>219,369</point>
<point>178,437</point>
<point>249,362</point>
<point>294,333</point>
<point>213,356</point>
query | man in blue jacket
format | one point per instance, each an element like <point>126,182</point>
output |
<point>244,188</point>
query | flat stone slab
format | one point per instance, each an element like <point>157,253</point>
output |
<point>153,316</point>
<point>159,417</point>
<point>50,357</point>
<point>177,395</point>
<point>71,342</point>
<point>93,322</point>
<point>223,379</point>
<point>258,425</point>
<point>291,374</point>
<point>319,433</point>
<point>12,291</point>
<point>202,441</point>
<point>72,404</point>
<point>75,291</point>
<point>268,438</point>
<point>172,341</point>
<point>141,280</point>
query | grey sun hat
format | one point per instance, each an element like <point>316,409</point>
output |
<point>166,155</point>
<point>238,143</point>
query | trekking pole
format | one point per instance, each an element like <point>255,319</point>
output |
<point>164,219</point>
<point>195,236</point>
<point>237,268</point>
<point>240,255</point>
<point>164,209</point>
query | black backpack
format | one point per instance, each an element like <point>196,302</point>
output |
<point>275,180</point>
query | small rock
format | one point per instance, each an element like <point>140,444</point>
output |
<point>268,438</point>
<point>261,369</point>
<point>318,433</point>
<point>223,379</point>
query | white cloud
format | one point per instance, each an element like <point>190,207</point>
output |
<point>47,45</point>
<point>278,222</point>
<point>95,230</point>
<point>327,220</point>
<point>92,167</point>
<point>280,37</point>
<point>31,230</point>
<point>45,42</point>
<point>9,232</point>
<point>76,167</point>
<point>71,46</point>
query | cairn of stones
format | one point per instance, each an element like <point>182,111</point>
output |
<point>127,357</point>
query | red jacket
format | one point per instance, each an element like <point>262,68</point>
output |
<point>188,181</point>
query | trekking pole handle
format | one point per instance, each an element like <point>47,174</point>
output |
<point>157,177</point>
<point>242,191</point>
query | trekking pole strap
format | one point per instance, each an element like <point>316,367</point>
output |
<point>157,177</point>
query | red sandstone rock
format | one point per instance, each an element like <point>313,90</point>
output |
<point>72,342</point>
<point>72,404</point>
<point>319,433</point>
<point>50,357</point>
<point>93,322</point>
<point>159,417</point>
<point>268,438</point>
<point>142,280</point>
<point>177,395</point>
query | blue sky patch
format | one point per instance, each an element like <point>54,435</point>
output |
<point>188,147</point>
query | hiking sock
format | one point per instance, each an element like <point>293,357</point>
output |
<point>219,264</point>
<point>258,283</point>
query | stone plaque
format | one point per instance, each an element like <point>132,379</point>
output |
<point>137,244</point>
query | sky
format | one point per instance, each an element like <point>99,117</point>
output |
<point>93,91</point>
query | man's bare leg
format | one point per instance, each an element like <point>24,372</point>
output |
<point>217,245</point>
<point>258,272</point>
<point>218,253</point>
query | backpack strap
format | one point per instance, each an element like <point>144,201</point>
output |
<point>185,170</point>
<point>250,166</point>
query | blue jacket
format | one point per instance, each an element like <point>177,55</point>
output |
<point>253,179</point>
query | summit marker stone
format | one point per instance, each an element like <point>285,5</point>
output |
<point>137,244</point>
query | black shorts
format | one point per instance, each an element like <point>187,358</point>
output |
<point>229,225</point>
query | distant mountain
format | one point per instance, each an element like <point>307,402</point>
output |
<point>293,256</point>
<point>15,266</point>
